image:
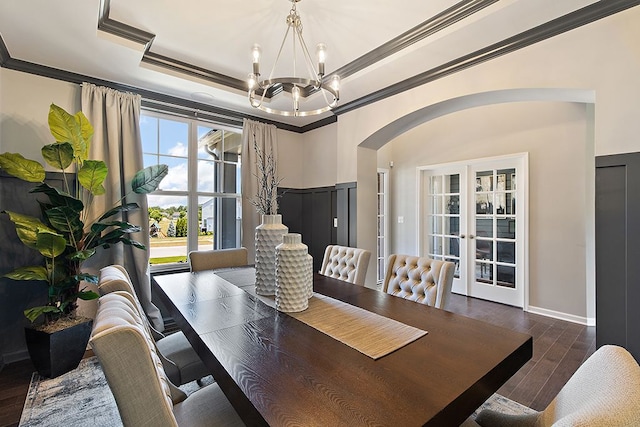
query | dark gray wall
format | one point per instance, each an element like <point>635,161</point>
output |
<point>16,296</point>
<point>618,251</point>
<point>311,212</point>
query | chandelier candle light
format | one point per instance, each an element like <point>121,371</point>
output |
<point>300,88</point>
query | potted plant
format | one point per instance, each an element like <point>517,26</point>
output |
<point>66,236</point>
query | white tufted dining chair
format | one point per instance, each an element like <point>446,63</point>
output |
<point>345,263</point>
<point>181,363</point>
<point>603,392</point>
<point>143,393</point>
<point>217,258</point>
<point>419,279</point>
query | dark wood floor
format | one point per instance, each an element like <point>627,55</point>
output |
<point>558,349</point>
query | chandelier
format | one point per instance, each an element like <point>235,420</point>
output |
<point>300,89</point>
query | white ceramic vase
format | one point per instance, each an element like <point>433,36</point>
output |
<point>268,236</point>
<point>292,274</point>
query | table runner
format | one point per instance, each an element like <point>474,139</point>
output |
<point>369,333</point>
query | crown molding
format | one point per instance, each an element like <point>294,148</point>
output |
<point>457,12</point>
<point>570,21</point>
<point>584,16</point>
<point>4,53</point>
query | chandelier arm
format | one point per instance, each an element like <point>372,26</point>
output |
<point>284,40</point>
<point>308,60</point>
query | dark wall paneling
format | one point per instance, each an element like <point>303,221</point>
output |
<point>310,212</point>
<point>16,296</point>
<point>346,201</point>
<point>618,251</point>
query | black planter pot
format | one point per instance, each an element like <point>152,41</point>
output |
<point>54,354</point>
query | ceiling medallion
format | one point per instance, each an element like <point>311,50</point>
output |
<point>299,88</point>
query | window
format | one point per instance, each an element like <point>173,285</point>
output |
<point>198,204</point>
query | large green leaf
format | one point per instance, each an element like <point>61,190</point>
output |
<point>87,277</point>
<point>35,312</point>
<point>86,130</point>
<point>88,295</point>
<point>58,155</point>
<point>65,219</point>
<point>122,208</point>
<point>58,197</point>
<point>50,244</point>
<point>27,227</point>
<point>91,176</point>
<point>65,128</point>
<point>148,179</point>
<point>28,170</point>
<point>127,227</point>
<point>133,243</point>
<point>28,273</point>
<point>82,255</point>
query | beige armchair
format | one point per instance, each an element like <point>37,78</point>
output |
<point>419,279</point>
<point>218,258</point>
<point>143,393</point>
<point>604,391</point>
<point>345,263</point>
<point>181,363</point>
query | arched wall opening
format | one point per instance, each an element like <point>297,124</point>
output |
<point>540,116</point>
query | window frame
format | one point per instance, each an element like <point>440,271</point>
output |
<point>192,196</point>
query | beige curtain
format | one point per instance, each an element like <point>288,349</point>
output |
<point>115,117</point>
<point>266,137</point>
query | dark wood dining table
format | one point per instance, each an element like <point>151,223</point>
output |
<point>278,371</point>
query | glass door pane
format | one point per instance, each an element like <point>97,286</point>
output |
<point>443,218</point>
<point>495,229</point>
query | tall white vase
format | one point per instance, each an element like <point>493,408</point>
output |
<point>268,236</point>
<point>292,274</point>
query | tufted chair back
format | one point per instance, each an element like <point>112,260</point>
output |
<point>345,263</point>
<point>419,279</point>
<point>604,391</point>
<point>131,365</point>
<point>218,258</point>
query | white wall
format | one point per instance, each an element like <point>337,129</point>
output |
<point>307,160</point>
<point>24,108</point>
<point>555,136</point>
<point>290,155</point>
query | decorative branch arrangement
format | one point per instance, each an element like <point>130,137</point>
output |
<point>266,199</point>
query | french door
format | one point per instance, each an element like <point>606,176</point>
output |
<point>469,217</point>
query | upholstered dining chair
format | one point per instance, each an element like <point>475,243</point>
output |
<point>181,363</point>
<point>604,391</point>
<point>345,263</point>
<point>217,258</point>
<point>143,393</point>
<point>419,279</point>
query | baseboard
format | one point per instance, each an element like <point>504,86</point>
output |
<point>587,321</point>
<point>16,356</point>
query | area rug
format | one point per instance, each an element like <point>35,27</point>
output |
<point>82,398</point>
<point>78,398</point>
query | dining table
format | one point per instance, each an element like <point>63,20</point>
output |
<point>355,357</point>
